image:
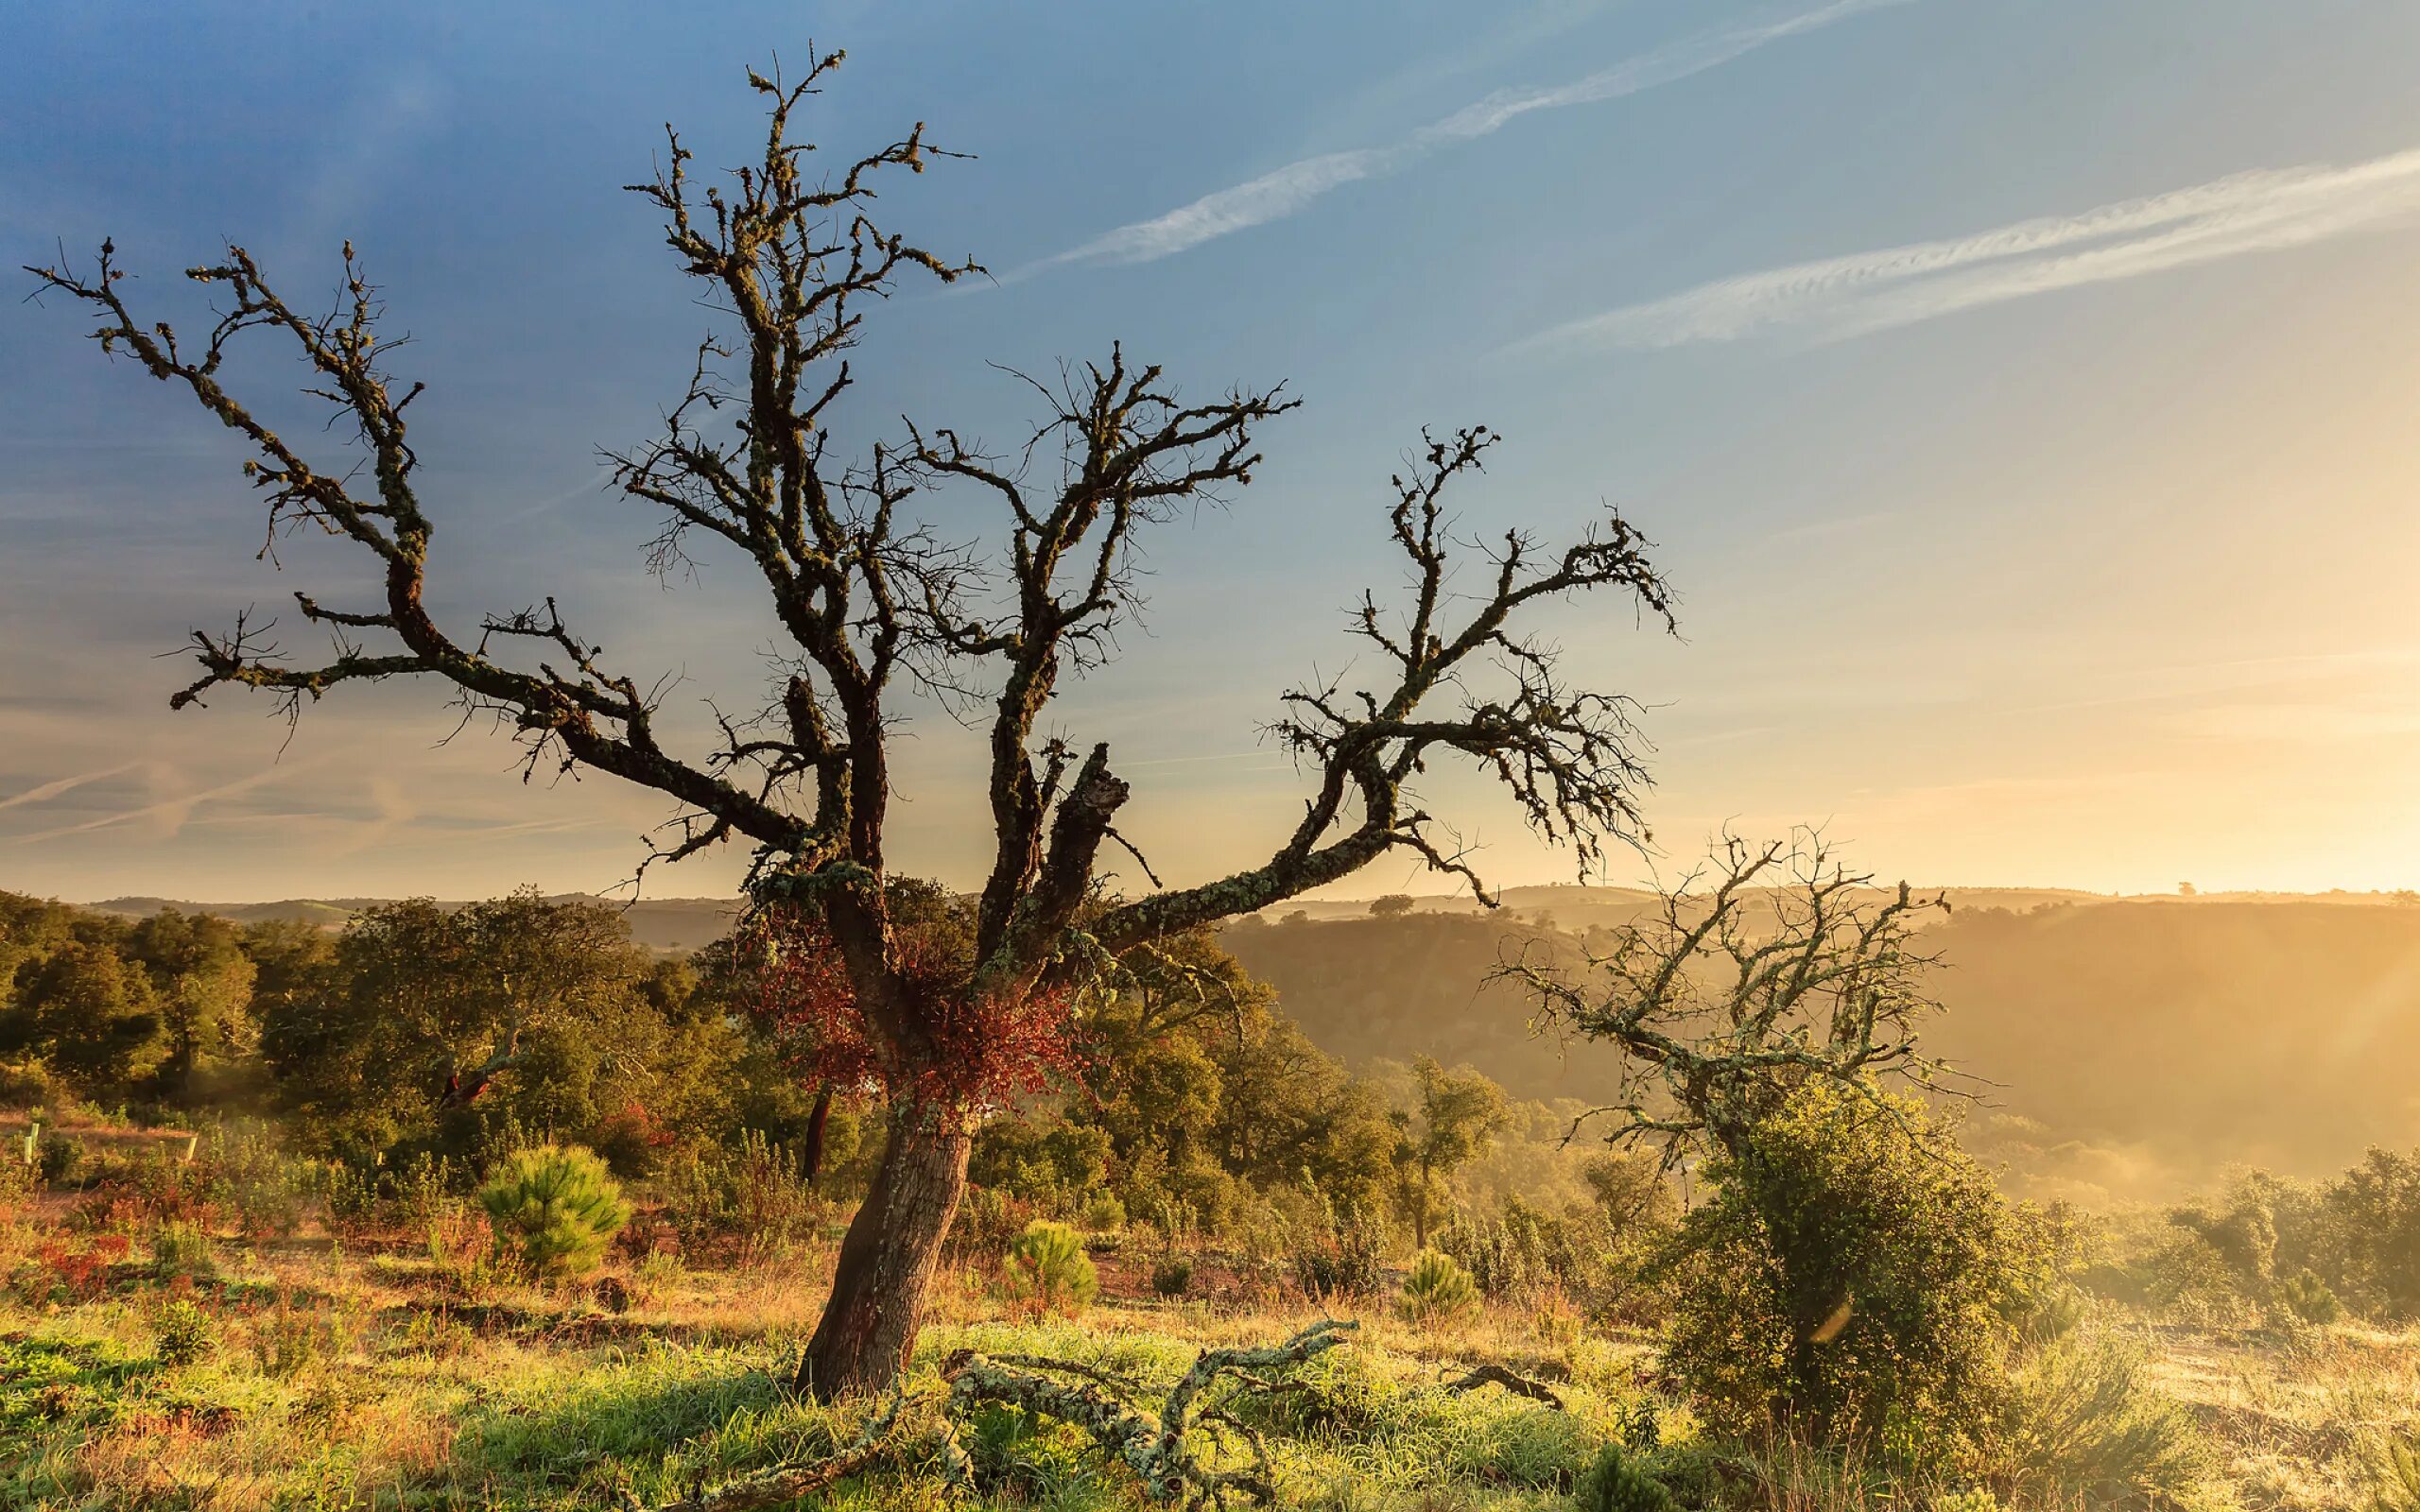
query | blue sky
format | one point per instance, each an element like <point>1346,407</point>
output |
<point>2020,392</point>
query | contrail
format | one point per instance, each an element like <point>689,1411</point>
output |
<point>1285,191</point>
<point>48,791</point>
<point>171,812</point>
<point>2264,210</point>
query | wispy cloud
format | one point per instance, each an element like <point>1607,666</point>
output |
<point>2264,210</point>
<point>1285,191</point>
<point>44,792</point>
<point>169,815</point>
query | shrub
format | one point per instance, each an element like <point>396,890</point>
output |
<point>557,1207</point>
<point>16,1178</point>
<point>1615,1484</point>
<point>1103,1212</point>
<point>2076,1427</point>
<point>1437,1292</point>
<point>758,1193</point>
<point>1854,1274</point>
<point>62,1157</point>
<point>632,1141</point>
<point>2308,1298</point>
<point>463,1248</point>
<point>352,1196</point>
<point>1048,1266</point>
<point>1339,1254</point>
<point>180,1249</point>
<point>987,1221</point>
<point>184,1334</point>
<point>1172,1276</point>
<point>263,1187</point>
<point>287,1340</point>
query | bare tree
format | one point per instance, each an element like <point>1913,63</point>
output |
<point>1766,967</point>
<point>748,462</point>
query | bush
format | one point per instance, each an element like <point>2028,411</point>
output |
<point>287,1340</point>
<point>180,1249</point>
<point>1172,1276</point>
<point>1339,1254</point>
<point>1855,1274</point>
<point>16,1177</point>
<point>184,1334</point>
<point>2308,1298</point>
<point>1047,1265</point>
<point>1103,1212</point>
<point>1615,1484</point>
<point>2076,1427</point>
<point>1437,1292</point>
<point>758,1193</point>
<point>259,1183</point>
<point>557,1206</point>
<point>62,1157</point>
<point>462,1246</point>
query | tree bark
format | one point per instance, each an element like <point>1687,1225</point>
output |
<point>888,1259</point>
<point>816,1121</point>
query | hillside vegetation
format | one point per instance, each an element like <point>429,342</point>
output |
<point>2138,1047</point>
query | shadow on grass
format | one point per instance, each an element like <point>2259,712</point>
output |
<point>644,1423</point>
<point>47,1383</point>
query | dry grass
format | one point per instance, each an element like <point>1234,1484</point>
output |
<point>369,1377</point>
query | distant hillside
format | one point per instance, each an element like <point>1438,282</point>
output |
<point>2140,1045</point>
<point>670,925</point>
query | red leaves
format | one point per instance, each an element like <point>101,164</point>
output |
<point>961,1047</point>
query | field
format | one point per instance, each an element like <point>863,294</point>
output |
<point>156,1361</point>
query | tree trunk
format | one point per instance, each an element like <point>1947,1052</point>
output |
<point>887,1260</point>
<point>823,1115</point>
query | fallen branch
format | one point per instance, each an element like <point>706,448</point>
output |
<point>1154,1448</point>
<point>787,1482</point>
<point>1518,1385</point>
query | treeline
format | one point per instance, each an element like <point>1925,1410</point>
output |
<point>424,1036</point>
<point>419,1029</point>
<point>2272,1250</point>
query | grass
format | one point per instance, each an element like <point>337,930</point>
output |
<point>375,1377</point>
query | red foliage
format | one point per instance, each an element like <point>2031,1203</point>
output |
<point>634,1127</point>
<point>82,1274</point>
<point>969,1050</point>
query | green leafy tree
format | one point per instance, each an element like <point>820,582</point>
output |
<point>1456,1115</point>
<point>202,980</point>
<point>92,1015</point>
<point>2372,1239</point>
<point>453,1029</point>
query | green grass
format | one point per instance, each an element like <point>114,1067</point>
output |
<point>363,1380</point>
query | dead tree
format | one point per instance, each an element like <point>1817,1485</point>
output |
<point>873,602</point>
<point>1770,967</point>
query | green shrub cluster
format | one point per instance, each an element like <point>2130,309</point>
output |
<point>1046,1266</point>
<point>1854,1275</point>
<point>184,1334</point>
<point>557,1207</point>
<point>1437,1293</point>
